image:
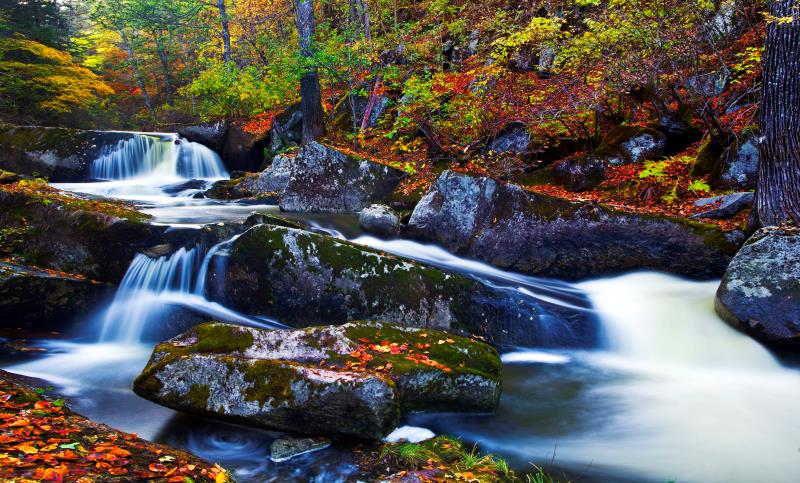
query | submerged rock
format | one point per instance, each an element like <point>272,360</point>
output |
<point>537,234</point>
<point>381,220</point>
<point>725,206</point>
<point>353,380</point>
<point>304,278</point>
<point>326,180</point>
<point>59,154</point>
<point>760,292</point>
<point>40,300</point>
<point>284,449</point>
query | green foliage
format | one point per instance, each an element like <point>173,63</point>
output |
<point>40,80</point>
<point>227,90</point>
<point>699,186</point>
<point>655,170</point>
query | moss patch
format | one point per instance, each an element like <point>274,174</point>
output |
<point>213,337</point>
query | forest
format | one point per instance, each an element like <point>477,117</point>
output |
<point>392,240</point>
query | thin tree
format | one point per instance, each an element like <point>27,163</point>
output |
<point>311,105</point>
<point>226,33</point>
<point>778,188</point>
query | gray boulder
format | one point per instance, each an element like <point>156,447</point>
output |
<point>211,134</point>
<point>59,154</point>
<point>631,144</point>
<point>739,164</point>
<point>304,278</point>
<point>380,220</point>
<point>516,229</point>
<point>760,292</point>
<point>326,180</point>
<point>353,380</point>
<point>284,449</point>
<point>580,173</point>
<point>725,206</point>
<point>514,138</point>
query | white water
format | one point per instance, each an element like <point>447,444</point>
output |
<point>162,156</point>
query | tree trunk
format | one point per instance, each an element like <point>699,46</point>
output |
<point>226,33</point>
<point>313,115</point>
<point>164,59</point>
<point>778,188</point>
<point>137,73</point>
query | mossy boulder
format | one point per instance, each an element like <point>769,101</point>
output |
<point>760,292</point>
<point>352,380</point>
<point>304,278</point>
<point>34,299</point>
<point>57,230</point>
<point>324,179</point>
<point>59,154</point>
<point>631,144</point>
<point>516,229</point>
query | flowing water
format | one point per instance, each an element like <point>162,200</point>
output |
<point>672,394</point>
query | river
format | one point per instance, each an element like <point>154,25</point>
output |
<point>672,393</point>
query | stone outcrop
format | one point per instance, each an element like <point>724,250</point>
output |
<point>380,220</point>
<point>760,292</point>
<point>211,135</point>
<point>353,380</point>
<point>724,206</point>
<point>631,144</point>
<point>303,279</point>
<point>532,233</point>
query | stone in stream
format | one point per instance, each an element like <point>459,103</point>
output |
<point>725,206</point>
<point>352,380</point>
<point>760,292</point>
<point>516,229</point>
<point>211,134</point>
<point>380,220</point>
<point>59,154</point>
<point>303,278</point>
<point>284,449</point>
<point>33,299</point>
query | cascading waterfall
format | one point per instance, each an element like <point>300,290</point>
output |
<point>165,155</point>
<point>154,286</point>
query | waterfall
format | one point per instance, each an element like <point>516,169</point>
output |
<point>165,155</point>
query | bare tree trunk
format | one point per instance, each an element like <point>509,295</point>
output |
<point>778,188</point>
<point>137,73</point>
<point>226,33</point>
<point>164,59</point>
<point>313,115</point>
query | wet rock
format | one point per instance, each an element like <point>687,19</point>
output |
<point>59,154</point>
<point>284,449</point>
<point>244,151</point>
<point>515,229</point>
<point>631,144</point>
<point>210,135</point>
<point>760,292</point>
<point>270,219</point>
<point>580,173</point>
<point>380,220</point>
<point>513,138</point>
<point>725,206</point>
<point>311,381</point>
<point>176,188</point>
<point>326,180</point>
<point>304,278</point>
<point>275,178</point>
<point>38,300</point>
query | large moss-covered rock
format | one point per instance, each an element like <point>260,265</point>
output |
<point>40,300</point>
<point>350,380</point>
<point>59,154</point>
<point>304,278</point>
<point>57,230</point>
<point>326,180</point>
<point>532,233</point>
<point>760,292</point>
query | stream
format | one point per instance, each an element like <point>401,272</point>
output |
<point>672,393</point>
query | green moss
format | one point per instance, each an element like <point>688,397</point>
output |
<point>147,383</point>
<point>270,381</point>
<point>707,159</point>
<point>198,396</point>
<point>212,337</point>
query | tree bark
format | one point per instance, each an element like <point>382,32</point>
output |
<point>163,57</point>
<point>313,115</point>
<point>778,188</point>
<point>226,33</point>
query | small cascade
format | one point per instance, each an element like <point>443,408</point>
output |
<point>165,155</point>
